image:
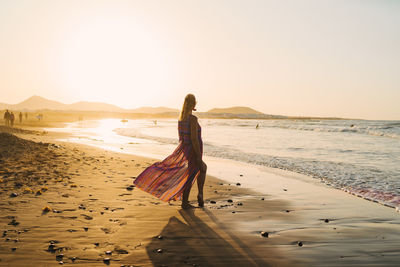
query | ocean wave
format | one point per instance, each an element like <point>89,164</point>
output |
<point>392,131</point>
<point>366,182</point>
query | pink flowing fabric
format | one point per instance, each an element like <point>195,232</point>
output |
<point>168,179</point>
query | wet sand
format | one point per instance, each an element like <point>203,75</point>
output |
<point>75,204</point>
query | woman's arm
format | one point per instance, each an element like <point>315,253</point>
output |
<point>195,139</point>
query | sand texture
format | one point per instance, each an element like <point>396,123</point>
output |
<point>71,204</point>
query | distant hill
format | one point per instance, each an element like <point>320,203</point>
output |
<point>152,110</point>
<point>94,106</point>
<point>41,103</point>
<point>235,110</point>
<point>38,102</point>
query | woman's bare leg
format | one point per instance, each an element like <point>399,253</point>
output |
<point>185,199</point>
<point>200,185</point>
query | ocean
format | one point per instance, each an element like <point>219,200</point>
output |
<point>361,157</point>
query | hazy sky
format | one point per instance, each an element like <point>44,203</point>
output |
<point>311,58</point>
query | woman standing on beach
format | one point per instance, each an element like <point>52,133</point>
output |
<point>172,178</point>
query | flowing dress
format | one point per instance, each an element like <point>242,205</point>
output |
<point>168,179</point>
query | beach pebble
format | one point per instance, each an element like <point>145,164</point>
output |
<point>59,257</point>
<point>51,248</point>
<point>284,189</point>
<point>86,228</point>
<point>46,209</point>
<point>13,222</point>
<point>326,220</point>
<point>264,234</point>
<point>262,198</point>
<point>238,184</point>
<point>60,262</point>
<point>233,211</point>
<point>230,200</point>
<point>13,249</point>
<point>130,188</point>
<point>96,244</point>
<point>4,233</point>
<point>300,244</point>
<point>8,239</point>
<point>287,210</point>
<point>13,194</point>
<point>213,202</point>
<point>82,207</point>
<point>160,250</point>
<point>106,260</point>
<point>160,237</point>
<point>121,251</point>
<point>108,252</point>
<point>240,204</point>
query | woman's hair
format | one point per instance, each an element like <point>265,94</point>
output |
<point>188,104</point>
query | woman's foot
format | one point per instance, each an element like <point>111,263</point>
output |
<point>187,205</point>
<point>200,200</point>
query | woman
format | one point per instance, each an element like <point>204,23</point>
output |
<point>172,178</point>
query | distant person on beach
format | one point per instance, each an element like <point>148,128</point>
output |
<point>26,115</point>
<point>172,178</point>
<point>20,117</point>
<point>12,119</point>
<point>7,118</point>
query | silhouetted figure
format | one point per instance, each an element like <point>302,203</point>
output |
<point>20,117</point>
<point>257,126</point>
<point>172,178</point>
<point>12,119</point>
<point>26,115</point>
<point>39,117</point>
<point>7,117</point>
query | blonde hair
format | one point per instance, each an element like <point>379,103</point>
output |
<point>188,105</point>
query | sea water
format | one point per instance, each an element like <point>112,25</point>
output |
<point>358,156</point>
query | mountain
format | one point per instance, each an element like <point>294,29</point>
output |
<point>41,103</point>
<point>94,106</point>
<point>152,110</point>
<point>38,102</point>
<point>235,110</point>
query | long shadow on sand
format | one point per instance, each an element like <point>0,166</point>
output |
<point>195,243</point>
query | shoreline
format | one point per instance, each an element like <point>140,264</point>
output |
<point>123,146</point>
<point>292,212</point>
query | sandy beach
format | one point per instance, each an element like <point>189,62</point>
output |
<point>72,204</point>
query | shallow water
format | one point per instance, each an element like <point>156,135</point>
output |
<point>361,157</point>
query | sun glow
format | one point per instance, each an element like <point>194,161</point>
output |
<point>104,59</point>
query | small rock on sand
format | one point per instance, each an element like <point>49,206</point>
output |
<point>238,184</point>
<point>300,244</point>
<point>230,200</point>
<point>326,220</point>
<point>160,250</point>
<point>13,194</point>
<point>46,209</point>
<point>264,234</point>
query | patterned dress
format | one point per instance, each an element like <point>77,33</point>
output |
<point>168,179</point>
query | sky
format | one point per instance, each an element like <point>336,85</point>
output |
<point>338,58</point>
